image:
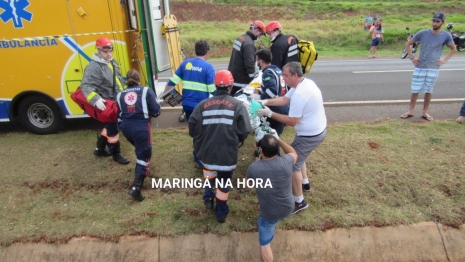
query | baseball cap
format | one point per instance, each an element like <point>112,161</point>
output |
<point>439,16</point>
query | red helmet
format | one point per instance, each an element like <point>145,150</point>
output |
<point>273,25</point>
<point>103,42</point>
<point>258,24</point>
<point>224,78</point>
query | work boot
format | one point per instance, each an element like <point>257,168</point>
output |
<point>118,157</point>
<point>136,188</point>
<point>208,203</point>
<point>101,145</point>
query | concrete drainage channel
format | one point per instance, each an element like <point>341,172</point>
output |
<point>426,241</point>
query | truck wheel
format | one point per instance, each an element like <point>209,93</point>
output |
<point>40,115</point>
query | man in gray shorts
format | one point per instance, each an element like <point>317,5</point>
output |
<point>427,65</point>
<point>307,116</point>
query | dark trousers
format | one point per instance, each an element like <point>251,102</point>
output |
<point>110,131</point>
<point>222,193</point>
<point>462,109</point>
<point>188,110</point>
<point>140,136</point>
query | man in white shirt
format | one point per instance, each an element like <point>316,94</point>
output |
<point>307,116</point>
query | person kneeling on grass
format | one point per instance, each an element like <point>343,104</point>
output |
<point>276,203</point>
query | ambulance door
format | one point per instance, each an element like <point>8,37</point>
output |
<point>159,41</point>
<point>90,19</point>
<point>139,60</point>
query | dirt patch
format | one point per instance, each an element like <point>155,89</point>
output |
<point>221,12</point>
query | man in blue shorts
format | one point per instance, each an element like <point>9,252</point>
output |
<point>427,64</point>
<point>307,116</point>
<point>375,39</point>
<point>277,202</point>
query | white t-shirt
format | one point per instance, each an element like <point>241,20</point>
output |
<point>307,104</point>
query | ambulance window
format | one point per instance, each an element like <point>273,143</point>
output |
<point>132,14</point>
<point>156,10</point>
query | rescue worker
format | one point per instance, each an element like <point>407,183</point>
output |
<point>137,105</point>
<point>272,86</point>
<point>103,80</point>
<point>198,77</point>
<point>242,61</point>
<point>218,125</point>
<point>283,48</point>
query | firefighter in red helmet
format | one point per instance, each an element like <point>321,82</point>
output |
<point>103,80</point>
<point>242,61</point>
<point>218,125</point>
<point>283,48</point>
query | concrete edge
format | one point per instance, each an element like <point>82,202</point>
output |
<point>424,241</point>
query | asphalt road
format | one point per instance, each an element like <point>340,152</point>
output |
<point>378,79</point>
<point>353,90</point>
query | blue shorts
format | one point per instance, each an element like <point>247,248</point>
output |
<point>424,80</point>
<point>375,42</point>
<point>266,230</point>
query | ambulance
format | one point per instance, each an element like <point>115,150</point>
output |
<point>45,46</point>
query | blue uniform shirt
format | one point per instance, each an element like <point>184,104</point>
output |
<point>137,103</point>
<point>197,76</point>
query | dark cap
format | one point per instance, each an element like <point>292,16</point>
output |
<point>439,16</point>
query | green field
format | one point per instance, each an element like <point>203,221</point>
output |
<point>336,27</point>
<point>382,173</point>
<point>364,174</point>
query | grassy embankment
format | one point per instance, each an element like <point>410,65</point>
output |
<point>386,173</point>
<point>336,27</point>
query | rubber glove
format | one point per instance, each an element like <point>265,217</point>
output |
<point>265,112</point>
<point>263,102</point>
<point>100,104</point>
<point>274,133</point>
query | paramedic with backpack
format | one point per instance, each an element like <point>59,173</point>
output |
<point>137,105</point>
<point>103,80</point>
<point>284,47</point>
<point>218,125</point>
<point>307,116</point>
<point>272,86</point>
<point>242,61</point>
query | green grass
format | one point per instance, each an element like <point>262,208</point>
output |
<point>393,172</point>
<point>336,27</point>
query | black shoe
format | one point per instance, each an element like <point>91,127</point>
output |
<point>300,206</point>
<point>208,203</point>
<point>221,220</point>
<point>101,152</point>
<point>306,187</point>
<point>136,194</point>
<point>120,159</point>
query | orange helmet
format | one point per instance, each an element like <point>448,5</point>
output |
<point>103,42</point>
<point>273,25</point>
<point>258,24</point>
<point>224,78</point>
